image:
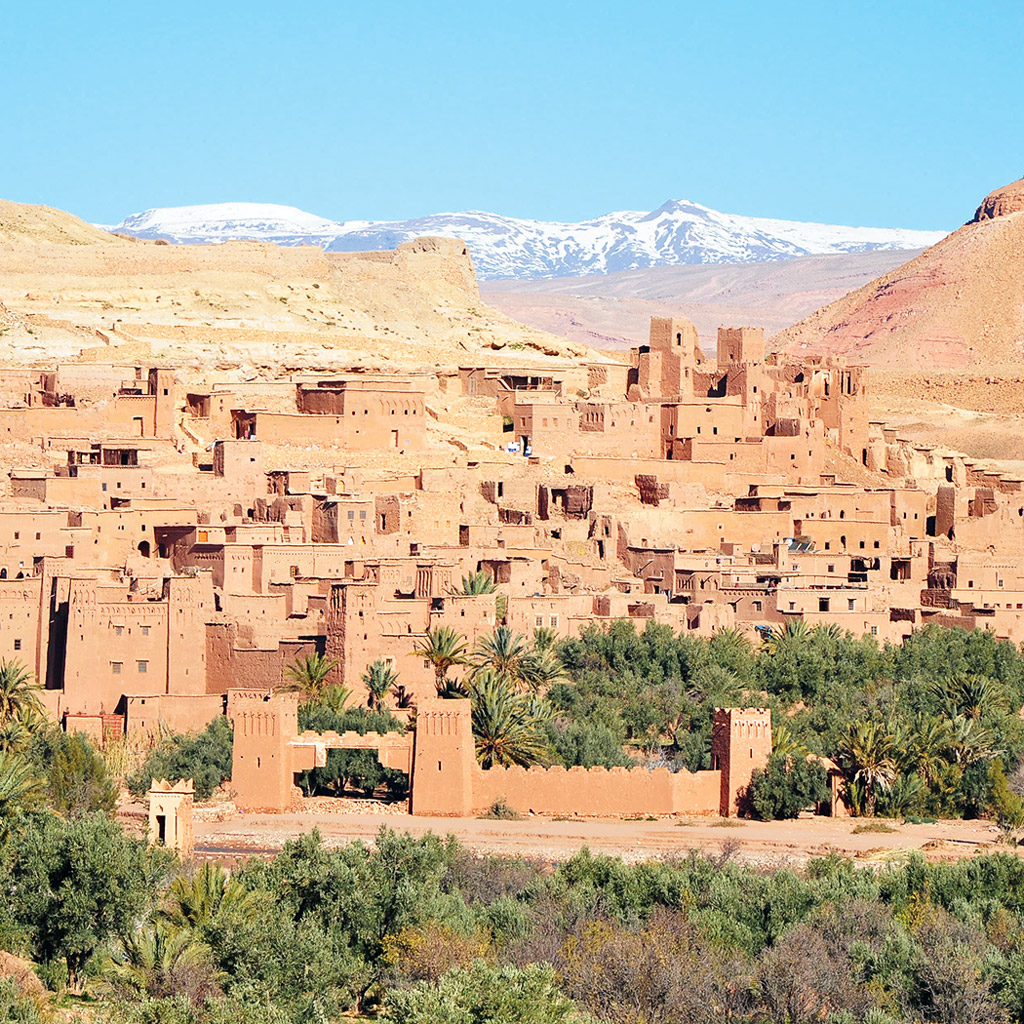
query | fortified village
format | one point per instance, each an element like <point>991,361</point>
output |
<point>168,547</point>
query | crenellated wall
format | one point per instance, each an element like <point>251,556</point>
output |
<point>597,791</point>
<point>446,780</point>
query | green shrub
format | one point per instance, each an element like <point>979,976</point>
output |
<point>786,786</point>
<point>590,744</point>
<point>204,757</point>
<point>78,780</point>
<point>483,994</point>
<point>500,811</point>
<point>354,769</point>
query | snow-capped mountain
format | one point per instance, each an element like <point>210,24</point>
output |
<point>509,247</point>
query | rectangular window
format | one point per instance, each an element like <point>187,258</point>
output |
<point>362,513</point>
<point>143,667</point>
<point>17,645</point>
<point>118,630</point>
<point>554,622</point>
<point>115,667</point>
<point>351,514</point>
<point>539,621</point>
<point>144,630</point>
<point>757,606</point>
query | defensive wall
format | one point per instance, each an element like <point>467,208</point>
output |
<point>446,780</point>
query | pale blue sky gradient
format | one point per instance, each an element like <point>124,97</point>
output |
<point>890,114</point>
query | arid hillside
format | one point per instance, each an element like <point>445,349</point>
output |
<point>960,304</point>
<point>20,222</point>
<point>614,310</point>
<point>69,290</point>
<point>943,334</point>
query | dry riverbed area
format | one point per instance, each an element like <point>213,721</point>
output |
<point>229,834</point>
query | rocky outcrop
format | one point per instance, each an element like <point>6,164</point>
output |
<point>1002,202</point>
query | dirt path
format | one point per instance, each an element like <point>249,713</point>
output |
<point>543,838</point>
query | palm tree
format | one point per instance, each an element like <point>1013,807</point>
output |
<point>507,725</point>
<point>196,901</point>
<point>785,744</point>
<point>732,650</point>
<point>334,698</point>
<point>14,735</point>
<point>162,961</point>
<point>793,634</point>
<point>925,742</point>
<point>379,679</point>
<point>868,758</point>
<point>544,639</point>
<point>444,649</point>
<point>20,787</point>
<point>541,670</point>
<point>310,674</point>
<point>453,689</point>
<point>480,582</point>
<point>970,695</point>
<point>504,653</point>
<point>970,741</point>
<point>19,694</point>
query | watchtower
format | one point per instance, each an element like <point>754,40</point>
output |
<point>262,772</point>
<point>673,353</point>
<point>740,346</point>
<point>161,385</point>
<point>444,757</point>
<point>741,741</point>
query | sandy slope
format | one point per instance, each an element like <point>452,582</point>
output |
<point>69,290</point>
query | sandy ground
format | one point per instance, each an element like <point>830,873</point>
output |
<point>763,843</point>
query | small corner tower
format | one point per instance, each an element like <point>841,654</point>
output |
<point>170,815</point>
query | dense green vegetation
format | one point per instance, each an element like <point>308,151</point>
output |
<point>932,726</point>
<point>204,757</point>
<point>421,931</point>
<point>350,769</point>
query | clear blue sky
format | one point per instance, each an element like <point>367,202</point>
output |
<point>882,113</point>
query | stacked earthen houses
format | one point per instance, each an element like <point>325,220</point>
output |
<point>162,543</point>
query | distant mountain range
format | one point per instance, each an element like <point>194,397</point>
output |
<point>678,232</point>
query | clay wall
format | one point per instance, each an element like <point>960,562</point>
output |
<point>597,792</point>
<point>359,433</point>
<point>152,716</point>
<point>722,418</point>
<point>20,611</point>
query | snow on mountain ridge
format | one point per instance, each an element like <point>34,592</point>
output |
<point>677,232</point>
